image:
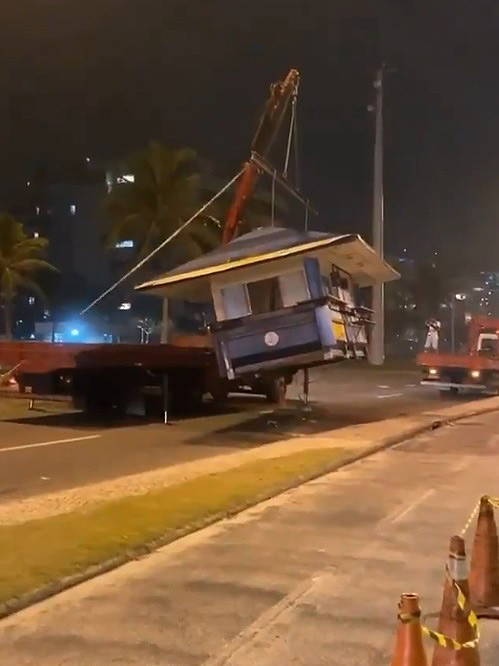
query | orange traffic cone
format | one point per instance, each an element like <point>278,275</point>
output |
<point>484,573</point>
<point>409,648</point>
<point>454,621</point>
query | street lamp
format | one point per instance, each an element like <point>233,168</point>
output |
<point>377,342</point>
<point>455,297</point>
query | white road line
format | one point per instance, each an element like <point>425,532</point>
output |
<point>413,505</point>
<point>389,395</point>
<point>382,386</point>
<point>245,641</point>
<point>42,444</point>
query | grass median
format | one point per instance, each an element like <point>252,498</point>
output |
<point>41,557</point>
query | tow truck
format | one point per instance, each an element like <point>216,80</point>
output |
<point>474,369</point>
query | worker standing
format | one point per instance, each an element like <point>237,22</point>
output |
<point>432,334</point>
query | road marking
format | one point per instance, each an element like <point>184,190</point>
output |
<point>244,642</point>
<point>382,386</point>
<point>413,505</point>
<point>389,395</point>
<point>411,385</point>
<point>246,638</point>
<point>42,444</point>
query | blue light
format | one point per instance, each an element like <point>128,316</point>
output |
<point>75,332</point>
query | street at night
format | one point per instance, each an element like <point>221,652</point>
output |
<point>312,577</point>
<point>249,333</point>
<point>43,453</point>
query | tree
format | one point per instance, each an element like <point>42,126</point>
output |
<point>164,193</point>
<point>21,259</point>
<point>166,189</point>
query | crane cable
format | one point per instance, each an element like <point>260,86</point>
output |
<point>292,128</point>
<point>164,243</point>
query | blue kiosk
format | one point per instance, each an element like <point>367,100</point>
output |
<point>284,300</point>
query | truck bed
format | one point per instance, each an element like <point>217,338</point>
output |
<point>469,361</point>
<point>44,357</point>
<point>457,372</point>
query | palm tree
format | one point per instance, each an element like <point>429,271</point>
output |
<point>166,189</point>
<point>163,193</point>
<point>21,258</point>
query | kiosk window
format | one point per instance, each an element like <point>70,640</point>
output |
<point>293,288</point>
<point>235,301</point>
<point>264,295</point>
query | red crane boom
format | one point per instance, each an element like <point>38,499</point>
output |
<point>268,127</point>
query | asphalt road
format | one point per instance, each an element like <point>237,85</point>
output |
<point>311,578</point>
<point>45,452</point>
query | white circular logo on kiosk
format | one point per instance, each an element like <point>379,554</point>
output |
<point>271,339</point>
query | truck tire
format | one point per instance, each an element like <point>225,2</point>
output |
<point>220,395</point>
<point>276,391</point>
<point>446,393</point>
<point>99,406</point>
<point>185,392</point>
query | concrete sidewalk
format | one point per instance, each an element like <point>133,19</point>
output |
<point>311,578</point>
<point>356,441</point>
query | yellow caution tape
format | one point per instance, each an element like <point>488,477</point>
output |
<point>443,640</point>
<point>493,500</point>
<point>470,519</point>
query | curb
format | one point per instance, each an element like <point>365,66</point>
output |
<point>41,594</point>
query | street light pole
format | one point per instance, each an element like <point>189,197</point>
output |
<point>377,341</point>
<point>453,324</point>
<point>454,299</point>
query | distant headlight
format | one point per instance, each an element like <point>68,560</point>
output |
<point>475,374</point>
<point>433,372</point>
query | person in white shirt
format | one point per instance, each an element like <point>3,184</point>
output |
<point>432,335</point>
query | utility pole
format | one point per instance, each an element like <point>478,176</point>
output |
<point>377,341</point>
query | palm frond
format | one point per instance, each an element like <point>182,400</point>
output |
<point>33,266</point>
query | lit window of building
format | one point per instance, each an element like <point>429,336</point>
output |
<point>31,300</point>
<point>72,209</point>
<point>36,235</point>
<point>124,243</point>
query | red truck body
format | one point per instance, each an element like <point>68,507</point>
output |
<point>104,376</point>
<point>476,368</point>
<point>111,375</point>
<point>42,357</point>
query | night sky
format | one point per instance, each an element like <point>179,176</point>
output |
<point>102,77</point>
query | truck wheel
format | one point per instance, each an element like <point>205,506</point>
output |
<point>98,406</point>
<point>445,393</point>
<point>220,395</point>
<point>184,400</point>
<point>276,391</point>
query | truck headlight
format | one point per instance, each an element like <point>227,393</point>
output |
<point>475,374</point>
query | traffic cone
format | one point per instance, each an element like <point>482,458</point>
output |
<point>484,573</point>
<point>453,621</point>
<point>409,648</point>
